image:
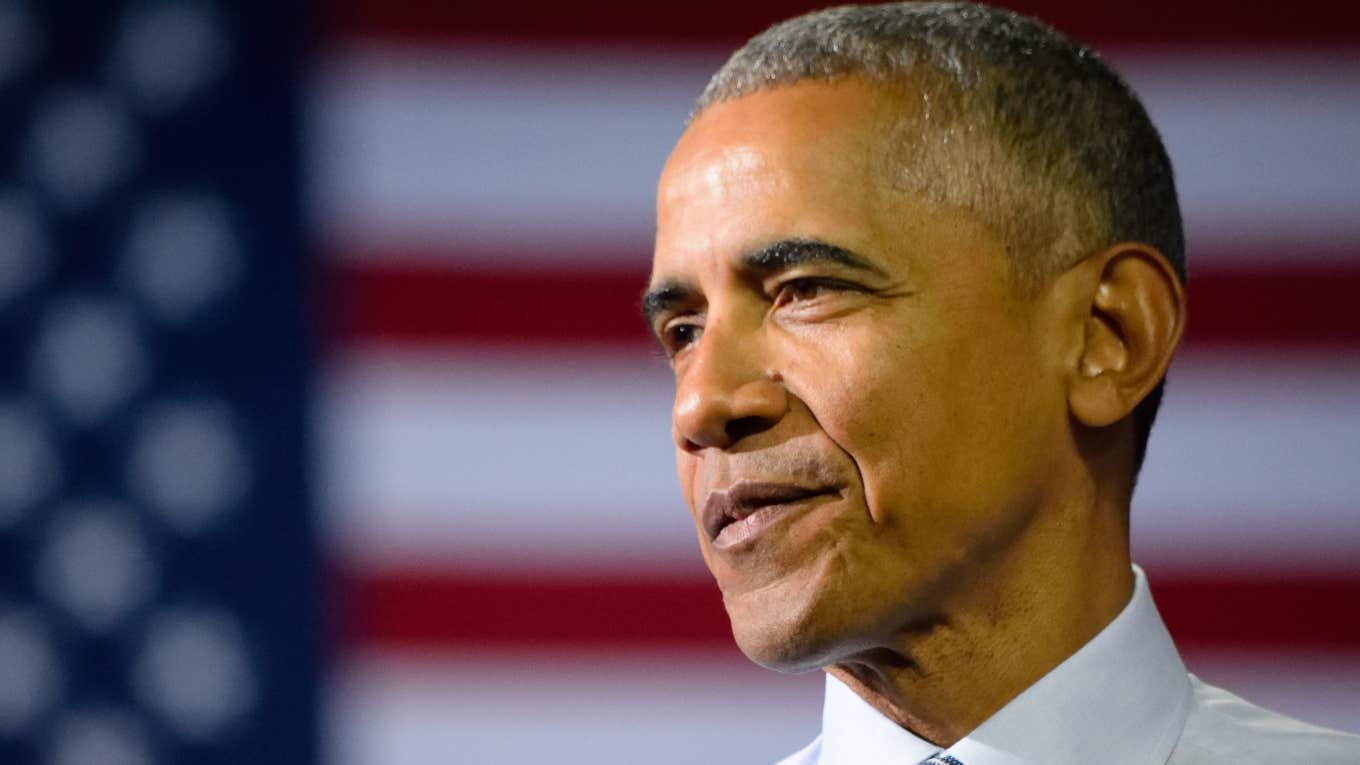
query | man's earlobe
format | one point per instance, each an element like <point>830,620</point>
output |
<point>1134,319</point>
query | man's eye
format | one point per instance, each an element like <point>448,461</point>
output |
<point>796,290</point>
<point>678,336</point>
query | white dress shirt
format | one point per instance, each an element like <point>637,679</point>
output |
<point>1124,698</point>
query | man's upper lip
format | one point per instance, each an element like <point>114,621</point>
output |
<point>742,498</point>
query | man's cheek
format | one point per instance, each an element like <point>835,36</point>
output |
<point>879,449</point>
<point>687,469</point>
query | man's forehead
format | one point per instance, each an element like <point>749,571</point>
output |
<point>817,160</point>
<point>713,169</point>
<point>846,123</point>
<point>792,149</point>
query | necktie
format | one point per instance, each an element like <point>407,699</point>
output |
<point>942,759</point>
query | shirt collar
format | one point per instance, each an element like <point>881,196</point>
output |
<point>1122,699</point>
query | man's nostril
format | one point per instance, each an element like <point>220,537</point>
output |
<point>742,427</point>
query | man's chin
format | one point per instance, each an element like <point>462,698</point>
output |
<point>782,657</point>
<point>784,637</point>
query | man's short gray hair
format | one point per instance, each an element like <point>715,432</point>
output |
<point>1019,124</point>
<point>1005,117</point>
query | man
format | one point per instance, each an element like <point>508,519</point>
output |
<point>919,272</point>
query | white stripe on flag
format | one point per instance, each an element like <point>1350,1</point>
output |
<point>469,150</point>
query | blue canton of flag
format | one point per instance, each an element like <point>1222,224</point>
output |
<point>157,601</point>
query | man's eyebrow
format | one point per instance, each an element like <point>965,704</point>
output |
<point>771,258</point>
<point>663,297</point>
<point>796,252</point>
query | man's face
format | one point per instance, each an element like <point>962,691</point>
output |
<point>864,404</point>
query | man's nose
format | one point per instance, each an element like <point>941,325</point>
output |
<point>727,392</point>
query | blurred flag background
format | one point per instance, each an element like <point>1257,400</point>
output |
<point>158,561</point>
<point>329,430</point>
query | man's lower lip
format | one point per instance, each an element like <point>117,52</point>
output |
<point>745,531</point>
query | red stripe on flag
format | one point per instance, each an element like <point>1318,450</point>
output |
<point>1303,612</point>
<point>423,305</point>
<point>1276,306</point>
<point>423,610</point>
<point>1252,306</point>
<point>726,23</point>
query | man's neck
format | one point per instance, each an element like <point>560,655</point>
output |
<point>1018,619</point>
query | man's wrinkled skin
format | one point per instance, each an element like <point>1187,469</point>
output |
<point>936,449</point>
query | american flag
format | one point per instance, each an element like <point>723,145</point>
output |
<point>508,572</point>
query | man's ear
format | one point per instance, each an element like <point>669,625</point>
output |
<point>1134,315</point>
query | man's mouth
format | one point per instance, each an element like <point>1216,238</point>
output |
<point>734,514</point>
